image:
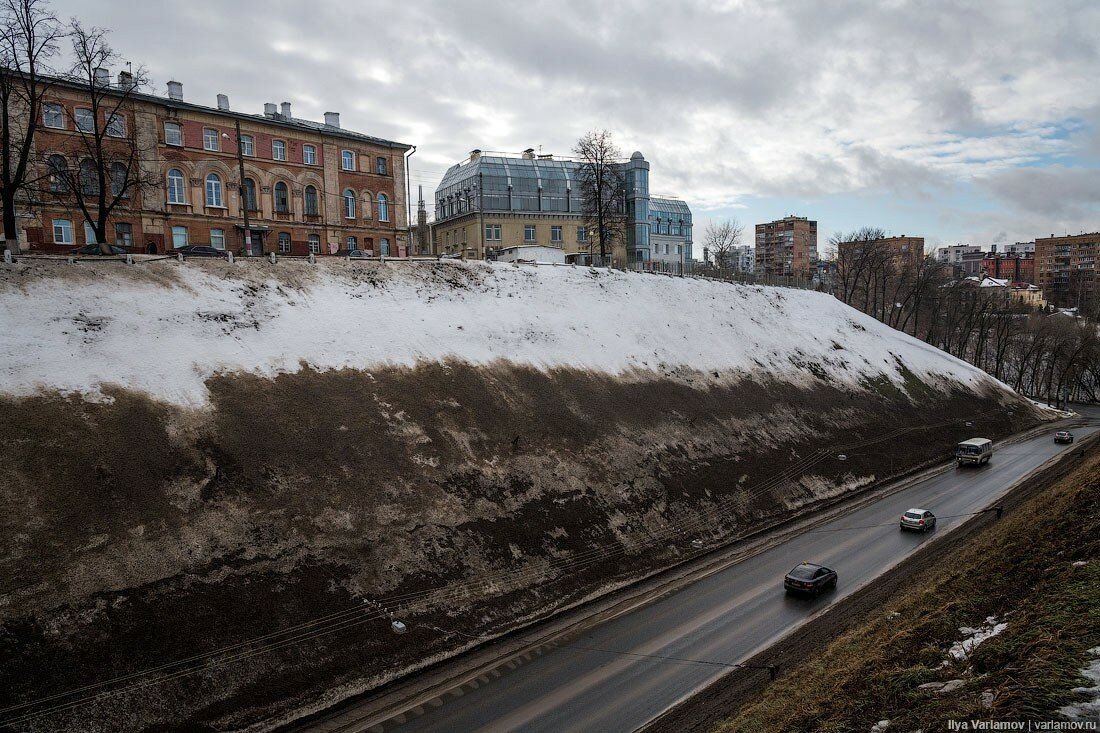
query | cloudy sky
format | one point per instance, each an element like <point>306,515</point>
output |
<point>963,122</point>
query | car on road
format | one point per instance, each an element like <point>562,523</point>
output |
<point>358,253</point>
<point>809,579</point>
<point>199,250</point>
<point>94,249</point>
<point>918,520</point>
<point>1063,436</point>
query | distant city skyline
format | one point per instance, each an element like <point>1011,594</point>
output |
<point>972,124</point>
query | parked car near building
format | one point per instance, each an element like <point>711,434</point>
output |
<point>199,250</point>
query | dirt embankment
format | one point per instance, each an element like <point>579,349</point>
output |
<point>895,650</point>
<point>139,535</point>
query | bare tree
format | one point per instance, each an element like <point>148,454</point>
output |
<point>602,182</point>
<point>28,43</point>
<point>720,240</point>
<point>108,171</point>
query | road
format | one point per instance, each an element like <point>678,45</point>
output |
<point>623,673</point>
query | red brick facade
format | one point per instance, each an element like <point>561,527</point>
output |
<point>378,221</point>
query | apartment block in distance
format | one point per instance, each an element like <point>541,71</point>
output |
<point>906,252</point>
<point>309,186</point>
<point>787,247</point>
<point>1066,268</point>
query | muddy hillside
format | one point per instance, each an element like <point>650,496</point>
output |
<point>222,483</point>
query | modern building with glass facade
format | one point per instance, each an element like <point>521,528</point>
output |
<point>669,231</point>
<point>492,202</point>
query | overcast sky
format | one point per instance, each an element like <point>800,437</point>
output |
<point>963,122</point>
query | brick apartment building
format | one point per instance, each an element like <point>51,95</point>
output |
<point>1015,268</point>
<point>787,247</point>
<point>1066,268</point>
<point>310,186</point>
<point>907,252</point>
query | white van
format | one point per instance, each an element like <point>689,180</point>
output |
<point>976,450</point>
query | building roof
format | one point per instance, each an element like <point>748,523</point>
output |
<point>670,205</point>
<point>499,166</point>
<point>292,122</point>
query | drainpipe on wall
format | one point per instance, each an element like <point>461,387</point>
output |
<point>408,195</point>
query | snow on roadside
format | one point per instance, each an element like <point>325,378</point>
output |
<point>1088,709</point>
<point>961,650</point>
<point>1050,409</point>
<point>165,327</point>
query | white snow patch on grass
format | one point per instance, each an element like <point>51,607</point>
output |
<point>1089,709</point>
<point>167,335</point>
<point>960,651</point>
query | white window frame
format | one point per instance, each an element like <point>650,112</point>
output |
<point>248,146</point>
<point>309,154</point>
<point>352,244</point>
<point>383,207</point>
<point>60,115</point>
<point>116,125</point>
<point>87,119</point>
<point>89,233</point>
<point>178,128</point>
<point>314,241</point>
<point>555,230</point>
<point>381,166</point>
<point>344,156</point>
<point>186,236</point>
<point>384,247</point>
<point>530,228</point>
<point>349,204</point>
<point>66,230</point>
<point>129,240</point>
<point>182,187</point>
<point>582,234</point>
<point>278,150</point>
<point>214,146</point>
<point>215,195</point>
<point>285,245</point>
<point>217,239</point>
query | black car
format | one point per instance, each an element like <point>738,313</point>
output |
<point>199,250</point>
<point>810,579</point>
<point>1063,436</point>
<point>94,249</point>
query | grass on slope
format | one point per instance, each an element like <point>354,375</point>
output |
<point>1020,570</point>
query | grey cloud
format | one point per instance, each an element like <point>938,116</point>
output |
<point>1052,191</point>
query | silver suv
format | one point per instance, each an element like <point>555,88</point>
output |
<point>920,520</point>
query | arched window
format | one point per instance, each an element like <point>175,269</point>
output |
<point>282,198</point>
<point>250,195</point>
<point>366,206</point>
<point>59,174</point>
<point>284,242</point>
<point>119,179</point>
<point>214,190</point>
<point>312,209</point>
<point>349,204</point>
<point>89,179</point>
<point>175,187</point>
<point>383,207</point>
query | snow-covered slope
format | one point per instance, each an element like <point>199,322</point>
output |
<point>163,328</point>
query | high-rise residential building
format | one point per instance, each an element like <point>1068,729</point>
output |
<point>1066,268</point>
<point>492,202</point>
<point>787,247</point>
<point>743,258</point>
<point>953,254</point>
<point>308,186</point>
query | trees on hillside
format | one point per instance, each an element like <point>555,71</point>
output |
<point>29,40</point>
<point>602,188</point>
<point>110,159</point>
<point>720,239</point>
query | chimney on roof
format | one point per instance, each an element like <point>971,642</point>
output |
<point>101,77</point>
<point>475,155</point>
<point>269,109</point>
<point>286,110</point>
<point>125,80</point>
<point>529,154</point>
<point>332,119</point>
<point>223,102</point>
<point>175,91</point>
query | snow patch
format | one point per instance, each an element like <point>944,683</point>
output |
<point>960,651</point>
<point>166,331</point>
<point>1089,709</point>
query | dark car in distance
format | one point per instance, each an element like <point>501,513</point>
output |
<point>199,250</point>
<point>1063,436</point>
<point>809,579</point>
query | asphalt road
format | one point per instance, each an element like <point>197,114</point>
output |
<point>621,674</point>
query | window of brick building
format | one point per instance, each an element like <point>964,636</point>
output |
<point>62,231</point>
<point>383,207</point>
<point>53,115</point>
<point>582,234</point>
<point>384,247</point>
<point>349,204</point>
<point>309,155</point>
<point>173,133</point>
<point>250,195</point>
<point>278,150</point>
<point>176,188</point>
<point>314,243</point>
<point>124,234</point>
<point>116,125</point>
<point>353,244</point>
<point>58,174</point>
<point>528,232</point>
<point>347,160</point>
<point>380,166</point>
<point>555,234</point>
<point>179,237</point>
<point>85,120</point>
<point>282,198</point>
<point>210,139</point>
<point>312,208</point>
<point>284,242</point>
<point>367,206</point>
<point>214,191</point>
<point>217,238</point>
<point>247,146</point>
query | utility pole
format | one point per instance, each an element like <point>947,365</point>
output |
<point>243,194</point>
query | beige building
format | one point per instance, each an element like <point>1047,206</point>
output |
<point>463,235</point>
